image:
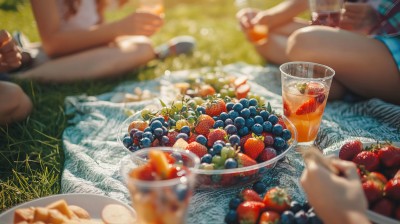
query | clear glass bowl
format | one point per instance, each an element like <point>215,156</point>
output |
<point>226,177</point>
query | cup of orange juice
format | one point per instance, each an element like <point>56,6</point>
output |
<point>152,6</point>
<point>305,89</point>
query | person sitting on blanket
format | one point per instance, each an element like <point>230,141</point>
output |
<point>364,51</point>
<point>15,105</point>
<point>343,197</point>
<point>77,43</point>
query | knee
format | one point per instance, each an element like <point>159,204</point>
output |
<point>303,44</point>
<point>15,104</point>
<point>140,44</point>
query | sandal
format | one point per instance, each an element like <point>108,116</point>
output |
<point>176,46</point>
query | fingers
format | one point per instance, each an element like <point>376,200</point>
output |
<point>349,169</point>
<point>4,37</point>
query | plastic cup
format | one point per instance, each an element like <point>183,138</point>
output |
<point>325,12</point>
<point>162,201</point>
<point>305,90</point>
<point>152,6</point>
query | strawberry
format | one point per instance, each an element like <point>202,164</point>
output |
<point>204,124</point>
<point>197,148</point>
<point>286,109</point>
<point>277,199</point>
<point>384,207</point>
<point>250,195</point>
<point>244,160</point>
<point>215,107</point>
<point>282,122</point>
<point>392,189</point>
<point>249,211</point>
<point>242,91</point>
<point>266,154</point>
<point>368,159</point>
<point>172,137</point>
<point>269,217</point>
<point>314,88</point>
<point>350,149</point>
<point>254,146</point>
<point>373,190</point>
<point>374,176</point>
<point>215,135</point>
<point>307,107</point>
<point>206,90</point>
<point>239,81</point>
<point>389,156</point>
<point>192,137</point>
<point>145,172</point>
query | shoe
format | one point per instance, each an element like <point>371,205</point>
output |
<point>176,46</point>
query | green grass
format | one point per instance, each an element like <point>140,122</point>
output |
<point>31,153</point>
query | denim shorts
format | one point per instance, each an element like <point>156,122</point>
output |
<point>393,44</point>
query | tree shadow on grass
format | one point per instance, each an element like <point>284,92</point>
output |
<point>10,5</point>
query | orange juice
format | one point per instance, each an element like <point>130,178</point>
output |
<point>303,105</point>
<point>153,6</point>
<point>258,34</point>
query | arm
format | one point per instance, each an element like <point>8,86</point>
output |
<point>57,42</point>
<point>336,199</point>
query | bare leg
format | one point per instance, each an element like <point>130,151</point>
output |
<point>274,50</point>
<point>363,65</point>
<point>125,55</point>
<point>15,105</point>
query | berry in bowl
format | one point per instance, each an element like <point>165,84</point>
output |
<point>237,141</point>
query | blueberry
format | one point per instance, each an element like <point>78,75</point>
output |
<point>211,151</point>
<point>237,107</point>
<point>230,129</point>
<point>234,140</point>
<point>164,140</point>
<point>286,134</point>
<point>267,126</point>
<point>258,119</point>
<point>127,141</point>
<point>171,122</point>
<point>218,124</point>
<point>253,102</point>
<point>279,143</point>
<point>301,217</point>
<point>239,122</point>
<point>230,163</point>
<point>132,132</point>
<point>253,111</point>
<point>160,119</point>
<point>157,132</point>
<point>206,158</point>
<point>156,124</point>
<point>133,148</point>
<point>185,129</point>
<point>231,217</point>
<point>220,142</point>
<point>257,129</point>
<point>273,119</point>
<point>295,207</point>
<point>145,142</point>
<point>277,129</point>
<point>264,114</point>
<point>287,217</point>
<point>234,203</point>
<point>245,113</point>
<point>181,191</point>
<point>243,131</point>
<point>149,135</point>
<point>228,121</point>
<point>201,139</point>
<point>259,187</point>
<point>201,109</point>
<point>182,135</point>
<point>314,219</point>
<point>250,122</point>
<point>217,148</point>
<point>138,135</point>
<point>229,106</point>
<point>233,114</point>
<point>223,116</point>
<point>244,102</point>
<point>216,118</point>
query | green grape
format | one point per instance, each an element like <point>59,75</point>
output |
<point>177,106</point>
<point>145,114</point>
<point>216,160</point>
<point>231,152</point>
<point>224,153</point>
<point>198,100</point>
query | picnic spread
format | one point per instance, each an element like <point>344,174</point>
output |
<point>94,157</point>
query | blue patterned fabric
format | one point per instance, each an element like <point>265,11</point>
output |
<point>93,157</point>
<point>393,44</point>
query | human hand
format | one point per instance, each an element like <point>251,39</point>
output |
<point>336,199</point>
<point>359,17</point>
<point>245,16</point>
<point>10,55</point>
<point>140,23</point>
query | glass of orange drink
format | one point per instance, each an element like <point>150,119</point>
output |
<point>305,89</point>
<point>152,6</point>
<point>161,182</point>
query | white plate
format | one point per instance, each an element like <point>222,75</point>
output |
<point>373,216</point>
<point>92,203</point>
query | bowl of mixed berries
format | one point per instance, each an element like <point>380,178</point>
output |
<point>236,140</point>
<point>378,166</point>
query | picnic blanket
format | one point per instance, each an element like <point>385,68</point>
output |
<point>93,156</point>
